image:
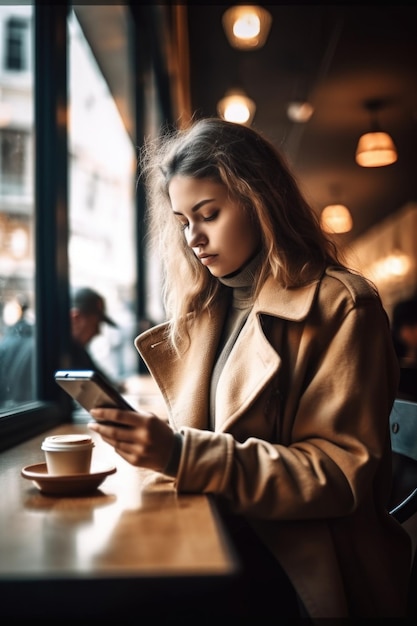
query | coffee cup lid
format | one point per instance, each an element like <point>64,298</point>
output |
<point>67,442</point>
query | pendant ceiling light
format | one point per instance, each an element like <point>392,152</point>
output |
<point>336,218</point>
<point>247,26</point>
<point>236,107</point>
<point>300,111</point>
<point>375,148</point>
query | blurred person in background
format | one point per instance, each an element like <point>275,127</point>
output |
<point>16,350</point>
<point>87,314</point>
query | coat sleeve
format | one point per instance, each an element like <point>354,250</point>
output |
<point>337,414</point>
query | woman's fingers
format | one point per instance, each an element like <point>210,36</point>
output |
<point>142,438</point>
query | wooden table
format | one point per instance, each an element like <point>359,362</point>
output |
<point>134,544</point>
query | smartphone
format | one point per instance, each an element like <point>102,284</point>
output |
<point>91,390</point>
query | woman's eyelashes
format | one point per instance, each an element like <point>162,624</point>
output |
<point>209,218</point>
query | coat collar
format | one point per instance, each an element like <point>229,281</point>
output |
<point>291,304</point>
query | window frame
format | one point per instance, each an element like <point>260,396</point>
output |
<point>52,297</point>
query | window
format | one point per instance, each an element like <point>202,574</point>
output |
<point>15,156</point>
<point>102,208</point>
<point>68,201</point>
<point>16,57</point>
<point>17,266</point>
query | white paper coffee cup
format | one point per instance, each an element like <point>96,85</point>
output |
<point>68,454</point>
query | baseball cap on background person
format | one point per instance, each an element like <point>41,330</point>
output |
<point>88,301</point>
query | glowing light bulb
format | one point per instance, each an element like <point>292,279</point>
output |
<point>247,27</point>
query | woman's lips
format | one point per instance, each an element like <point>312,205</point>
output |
<point>207,259</point>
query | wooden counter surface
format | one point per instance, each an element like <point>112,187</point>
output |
<point>134,528</point>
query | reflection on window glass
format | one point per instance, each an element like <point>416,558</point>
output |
<point>102,209</point>
<point>16,208</point>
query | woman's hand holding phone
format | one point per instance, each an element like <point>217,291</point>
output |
<point>140,437</point>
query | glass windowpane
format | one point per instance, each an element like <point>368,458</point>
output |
<point>17,267</point>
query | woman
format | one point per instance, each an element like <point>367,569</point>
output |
<point>278,372</point>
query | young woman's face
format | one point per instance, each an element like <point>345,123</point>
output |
<point>218,230</point>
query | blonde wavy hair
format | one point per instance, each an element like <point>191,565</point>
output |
<point>295,250</point>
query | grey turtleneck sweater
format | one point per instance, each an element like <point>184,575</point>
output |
<point>242,285</point>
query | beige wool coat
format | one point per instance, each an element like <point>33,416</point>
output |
<point>301,444</point>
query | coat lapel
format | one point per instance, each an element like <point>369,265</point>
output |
<point>184,382</point>
<point>254,361</point>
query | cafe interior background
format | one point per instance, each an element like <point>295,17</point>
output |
<point>82,86</point>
